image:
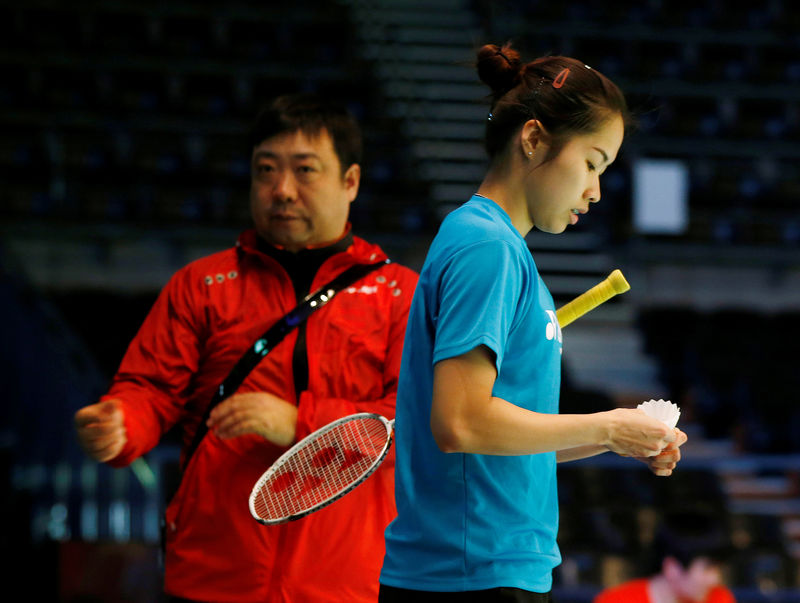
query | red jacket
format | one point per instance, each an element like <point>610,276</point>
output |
<point>208,314</point>
<point>636,591</point>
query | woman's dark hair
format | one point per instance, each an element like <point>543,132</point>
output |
<point>565,95</point>
<point>309,114</point>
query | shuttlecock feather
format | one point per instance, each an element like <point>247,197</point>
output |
<point>663,410</point>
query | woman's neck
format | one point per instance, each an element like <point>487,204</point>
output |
<point>500,187</point>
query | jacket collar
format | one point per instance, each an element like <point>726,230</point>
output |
<point>356,250</point>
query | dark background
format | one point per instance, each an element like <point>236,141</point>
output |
<point>123,156</point>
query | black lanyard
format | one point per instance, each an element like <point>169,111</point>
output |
<point>272,337</point>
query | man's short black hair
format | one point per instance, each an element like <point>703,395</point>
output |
<point>310,114</point>
<point>688,535</point>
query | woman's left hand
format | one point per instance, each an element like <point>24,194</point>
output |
<point>667,460</point>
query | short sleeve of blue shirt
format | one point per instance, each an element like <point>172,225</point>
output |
<point>479,295</point>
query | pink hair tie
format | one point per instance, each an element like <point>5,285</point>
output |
<point>561,78</point>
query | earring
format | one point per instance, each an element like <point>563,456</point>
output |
<point>530,152</point>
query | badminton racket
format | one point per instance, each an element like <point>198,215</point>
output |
<point>330,462</point>
<point>613,284</point>
<point>321,468</point>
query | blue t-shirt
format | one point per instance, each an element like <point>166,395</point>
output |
<point>471,521</point>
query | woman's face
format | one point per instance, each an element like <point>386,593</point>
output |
<point>560,189</point>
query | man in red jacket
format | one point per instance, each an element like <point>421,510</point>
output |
<point>345,358</point>
<point>685,564</point>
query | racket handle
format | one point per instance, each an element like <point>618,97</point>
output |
<point>613,284</point>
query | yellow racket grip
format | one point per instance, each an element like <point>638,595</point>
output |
<point>613,284</point>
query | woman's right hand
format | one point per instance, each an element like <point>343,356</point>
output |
<point>631,432</point>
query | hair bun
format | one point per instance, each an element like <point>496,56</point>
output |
<point>499,67</point>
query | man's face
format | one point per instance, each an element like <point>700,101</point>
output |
<point>298,194</point>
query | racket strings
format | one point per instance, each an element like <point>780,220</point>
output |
<point>322,469</point>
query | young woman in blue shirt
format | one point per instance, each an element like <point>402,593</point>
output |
<point>477,425</point>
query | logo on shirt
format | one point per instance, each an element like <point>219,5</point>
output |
<point>553,330</point>
<point>373,289</point>
<point>366,290</point>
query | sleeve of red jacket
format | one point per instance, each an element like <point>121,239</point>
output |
<point>157,368</point>
<point>315,412</point>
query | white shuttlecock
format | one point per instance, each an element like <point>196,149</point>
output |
<point>663,410</point>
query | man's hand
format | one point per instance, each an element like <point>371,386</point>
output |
<point>259,413</point>
<point>664,463</point>
<point>101,429</point>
